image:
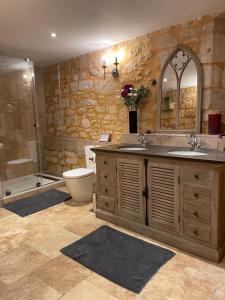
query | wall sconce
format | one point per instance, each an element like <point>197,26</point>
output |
<point>108,59</point>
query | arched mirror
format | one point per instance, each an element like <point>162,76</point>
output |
<point>180,93</point>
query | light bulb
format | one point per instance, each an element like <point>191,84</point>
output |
<point>53,35</point>
<point>120,54</point>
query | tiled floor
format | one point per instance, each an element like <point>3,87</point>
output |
<point>32,267</point>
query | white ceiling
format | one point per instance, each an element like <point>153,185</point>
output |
<point>86,25</point>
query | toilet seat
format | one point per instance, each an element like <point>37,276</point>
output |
<point>78,173</point>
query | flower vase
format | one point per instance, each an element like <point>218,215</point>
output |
<point>132,119</point>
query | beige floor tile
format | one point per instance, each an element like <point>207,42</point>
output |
<point>32,267</point>
<point>62,273</point>
<point>218,295</point>
<point>84,225</point>
<point>29,288</point>
<point>4,213</point>
<point>87,291</point>
<point>179,283</point>
<point>111,288</point>
<point>50,242</point>
<point>20,262</point>
<point>10,225</point>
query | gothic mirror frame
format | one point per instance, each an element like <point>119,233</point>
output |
<point>191,55</point>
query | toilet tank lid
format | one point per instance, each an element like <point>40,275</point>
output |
<point>78,173</point>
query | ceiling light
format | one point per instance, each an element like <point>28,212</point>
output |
<point>53,35</point>
<point>27,59</point>
<point>165,79</point>
<point>25,76</point>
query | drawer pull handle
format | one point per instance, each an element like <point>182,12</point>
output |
<point>196,195</point>
<point>196,214</point>
<point>106,204</point>
<point>106,191</point>
<point>105,162</point>
<point>196,176</point>
<point>195,232</point>
<point>106,176</point>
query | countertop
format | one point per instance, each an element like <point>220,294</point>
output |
<point>213,156</point>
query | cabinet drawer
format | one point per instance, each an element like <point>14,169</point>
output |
<point>197,176</point>
<point>197,230</point>
<point>107,203</point>
<point>106,190</point>
<point>107,163</point>
<point>106,177</point>
<point>197,212</point>
<point>199,195</point>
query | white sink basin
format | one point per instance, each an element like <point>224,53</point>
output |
<point>133,148</point>
<point>187,153</point>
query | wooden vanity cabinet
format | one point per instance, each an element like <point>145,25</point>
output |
<point>175,201</point>
<point>106,183</point>
<point>130,187</point>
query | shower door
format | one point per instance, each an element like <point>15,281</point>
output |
<point>19,165</point>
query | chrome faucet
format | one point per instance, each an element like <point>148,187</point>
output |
<point>143,139</point>
<point>195,143</point>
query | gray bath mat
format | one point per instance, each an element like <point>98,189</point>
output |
<point>121,258</point>
<point>31,205</point>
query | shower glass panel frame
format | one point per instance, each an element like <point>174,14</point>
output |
<point>20,159</point>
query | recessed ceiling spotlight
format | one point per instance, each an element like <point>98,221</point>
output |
<point>25,76</point>
<point>165,79</point>
<point>53,35</point>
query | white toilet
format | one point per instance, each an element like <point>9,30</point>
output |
<point>80,182</point>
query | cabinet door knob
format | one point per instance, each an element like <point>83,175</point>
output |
<point>106,191</point>
<point>196,176</point>
<point>196,195</point>
<point>196,214</point>
<point>106,204</point>
<point>106,176</point>
<point>195,232</point>
<point>105,162</point>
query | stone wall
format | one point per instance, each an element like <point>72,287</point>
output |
<point>215,99</point>
<point>89,102</point>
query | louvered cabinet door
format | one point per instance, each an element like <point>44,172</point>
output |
<point>130,184</point>
<point>163,189</point>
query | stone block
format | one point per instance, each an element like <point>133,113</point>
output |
<point>219,47</point>
<point>223,78</point>
<point>112,109</point>
<point>73,86</point>
<point>106,87</point>
<point>165,40</point>
<point>85,123</point>
<point>87,102</point>
<point>218,99</point>
<point>206,48</point>
<point>85,85</point>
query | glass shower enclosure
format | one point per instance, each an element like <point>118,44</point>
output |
<point>20,150</point>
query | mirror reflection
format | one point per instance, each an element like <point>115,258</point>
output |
<point>188,97</point>
<point>179,92</point>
